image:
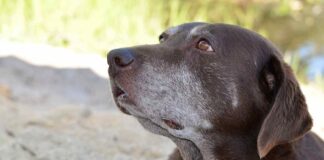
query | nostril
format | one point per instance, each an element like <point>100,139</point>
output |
<point>123,62</point>
<point>120,57</point>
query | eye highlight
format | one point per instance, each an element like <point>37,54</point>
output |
<point>204,45</point>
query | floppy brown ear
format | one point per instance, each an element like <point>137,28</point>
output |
<point>288,119</point>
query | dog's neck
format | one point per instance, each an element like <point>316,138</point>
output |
<point>188,149</point>
<point>219,148</point>
<point>226,147</point>
<point>216,146</point>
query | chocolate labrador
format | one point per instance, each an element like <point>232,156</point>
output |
<point>220,92</point>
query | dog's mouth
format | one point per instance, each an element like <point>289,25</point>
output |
<point>172,124</point>
<point>119,92</point>
<point>121,99</point>
<point>120,95</point>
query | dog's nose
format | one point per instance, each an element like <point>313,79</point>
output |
<point>120,57</point>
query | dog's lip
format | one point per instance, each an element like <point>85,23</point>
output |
<point>117,90</point>
<point>119,93</point>
<point>172,124</point>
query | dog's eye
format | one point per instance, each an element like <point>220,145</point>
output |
<point>204,45</point>
<point>163,37</point>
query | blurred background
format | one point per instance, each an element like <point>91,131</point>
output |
<point>55,101</point>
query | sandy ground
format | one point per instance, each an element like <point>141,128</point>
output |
<point>56,105</point>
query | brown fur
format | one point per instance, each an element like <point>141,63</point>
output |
<point>255,106</point>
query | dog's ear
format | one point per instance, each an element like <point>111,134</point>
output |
<point>288,119</point>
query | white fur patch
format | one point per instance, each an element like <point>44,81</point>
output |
<point>207,125</point>
<point>196,30</point>
<point>172,92</point>
<point>234,95</point>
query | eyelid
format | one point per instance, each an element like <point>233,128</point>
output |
<point>197,38</point>
<point>203,39</point>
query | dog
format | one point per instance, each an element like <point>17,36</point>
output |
<point>218,91</point>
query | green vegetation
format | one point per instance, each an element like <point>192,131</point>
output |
<point>100,25</point>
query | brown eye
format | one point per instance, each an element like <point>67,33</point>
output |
<point>204,46</point>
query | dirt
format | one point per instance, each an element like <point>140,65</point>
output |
<point>56,104</point>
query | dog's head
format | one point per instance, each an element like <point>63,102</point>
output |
<point>210,79</point>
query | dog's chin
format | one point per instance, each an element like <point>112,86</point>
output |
<point>125,103</point>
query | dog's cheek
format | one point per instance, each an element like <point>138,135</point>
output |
<point>174,94</point>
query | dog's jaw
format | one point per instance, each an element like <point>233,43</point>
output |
<point>188,149</point>
<point>180,87</point>
<point>185,87</point>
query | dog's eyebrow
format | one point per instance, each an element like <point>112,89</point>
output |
<point>196,31</point>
